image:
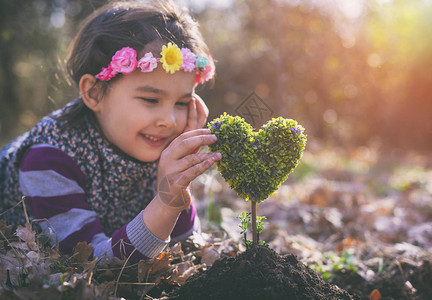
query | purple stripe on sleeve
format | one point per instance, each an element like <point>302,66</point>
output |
<point>85,234</point>
<point>116,237</point>
<point>122,246</point>
<point>47,207</point>
<point>185,221</point>
<point>49,158</point>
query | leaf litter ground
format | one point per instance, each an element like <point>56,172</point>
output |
<point>361,221</point>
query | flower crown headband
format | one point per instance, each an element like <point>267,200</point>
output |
<point>173,59</point>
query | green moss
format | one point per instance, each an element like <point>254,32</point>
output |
<point>255,164</point>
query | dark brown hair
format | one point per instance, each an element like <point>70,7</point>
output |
<point>120,24</point>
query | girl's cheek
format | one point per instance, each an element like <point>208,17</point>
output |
<point>181,119</point>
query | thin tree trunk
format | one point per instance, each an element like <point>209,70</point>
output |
<point>254,225</point>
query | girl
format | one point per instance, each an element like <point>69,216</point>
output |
<point>113,167</point>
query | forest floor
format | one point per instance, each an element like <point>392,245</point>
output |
<point>360,219</point>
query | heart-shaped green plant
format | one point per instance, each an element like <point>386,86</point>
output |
<point>256,163</point>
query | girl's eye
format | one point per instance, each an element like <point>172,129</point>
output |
<point>183,103</point>
<point>149,100</point>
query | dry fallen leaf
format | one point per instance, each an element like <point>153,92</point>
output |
<point>177,251</point>
<point>349,243</point>
<point>162,263</point>
<point>182,272</point>
<point>143,270</point>
<point>27,235</point>
<point>32,258</point>
<point>82,252</point>
<point>375,295</point>
<point>209,255</point>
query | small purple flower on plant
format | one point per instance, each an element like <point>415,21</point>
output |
<point>255,143</point>
<point>217,125</point>
<point>297,130</point>
<point>254,196</point>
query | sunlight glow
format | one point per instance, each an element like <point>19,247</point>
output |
<point>352,9</point>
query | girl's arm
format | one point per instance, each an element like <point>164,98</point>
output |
<point>54,187</point>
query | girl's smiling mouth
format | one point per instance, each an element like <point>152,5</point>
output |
<point>154,140</point>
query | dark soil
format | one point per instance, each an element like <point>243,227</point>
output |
<point>392,284</point>
<point>258,273</point>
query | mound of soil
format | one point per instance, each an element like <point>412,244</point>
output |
<point>258,273</point>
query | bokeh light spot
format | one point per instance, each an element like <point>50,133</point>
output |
<point>330,116</point>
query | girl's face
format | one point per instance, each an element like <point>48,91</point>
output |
<point>141,113</point>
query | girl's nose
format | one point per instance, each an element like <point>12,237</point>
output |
<point>166,118</point>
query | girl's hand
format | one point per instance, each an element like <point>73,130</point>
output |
<point>197,114</point>
<point>177,167</point>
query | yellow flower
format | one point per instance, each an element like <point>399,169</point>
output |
<point>172,58</point>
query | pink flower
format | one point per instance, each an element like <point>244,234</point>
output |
<point>188,60</point>
<point>207,74</point>
<point>147,63</point>
<point>106,74</point>
<point>124,61</point>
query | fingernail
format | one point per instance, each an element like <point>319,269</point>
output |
<point>217,155</point>
<point>213,137</point>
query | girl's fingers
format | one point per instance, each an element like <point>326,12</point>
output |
<point>186,170</point>
<point>183,146</point>
<point>189,134</point>
<point>197,114</point>
<point>202,111</point>
<point>195,159</point>
<point>188,145</point>
<point>192,121</point>
<point>190,174</point>
<point>195,151</point>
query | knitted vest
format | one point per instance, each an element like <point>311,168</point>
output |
<point>118,187</point>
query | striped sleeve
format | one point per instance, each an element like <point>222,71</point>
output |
<point>55,186</point>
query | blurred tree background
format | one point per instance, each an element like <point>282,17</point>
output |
<point>353,72</point>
